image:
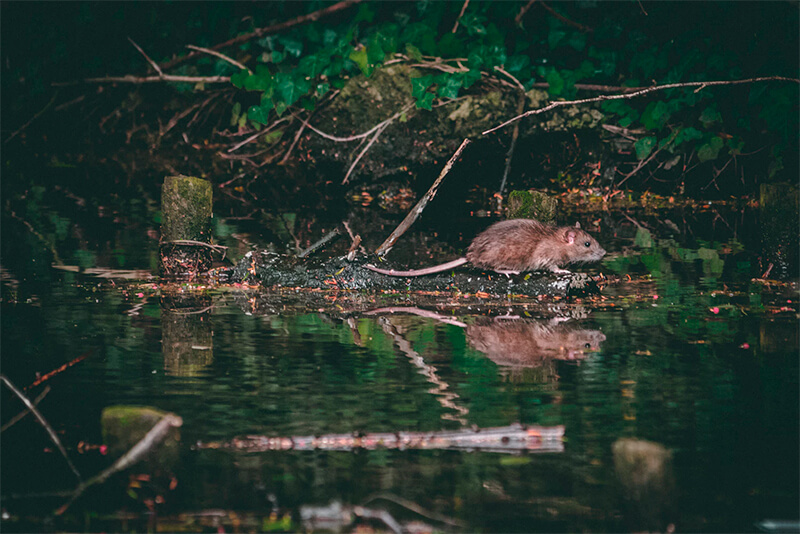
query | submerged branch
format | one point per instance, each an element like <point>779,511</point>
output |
<point>142,447</point>
<point>42,421</point>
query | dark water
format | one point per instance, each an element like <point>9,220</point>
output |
<point>698,367</point>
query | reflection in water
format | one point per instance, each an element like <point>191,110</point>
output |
<point>644,470</point>
<point>531,343</point>
<point>188,341</point>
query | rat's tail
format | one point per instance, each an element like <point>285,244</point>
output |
<point>420,272</point>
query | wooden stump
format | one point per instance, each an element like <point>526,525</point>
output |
<point>185,226</point>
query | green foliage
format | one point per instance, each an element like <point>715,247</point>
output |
<point>301,66</point>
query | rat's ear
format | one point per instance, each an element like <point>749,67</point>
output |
<point>577,225</point>
<point>571,236</point>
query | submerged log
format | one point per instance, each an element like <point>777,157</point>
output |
<point>186,248</point>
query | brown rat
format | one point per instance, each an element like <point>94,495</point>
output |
<point>516,245</point>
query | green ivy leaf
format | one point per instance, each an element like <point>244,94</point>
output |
<point>239,78</point>
<point>359,57</point>
<point>451,45</point>
<point>449,89</point>
<point>273,136</point>
<point>470,77</point>
<point>644,147</point>
<point>420,85</point>
<point>425,101</point>
<point>280,107</point>
<point>710,150</point>
<point>313,65</point>
<point>577,41</point>
<point>289,87</point>
<point>556,82</point>
<point>323,88</point>
<point>686,135</point>
<point>555,37</point>
<point>413,52</point>
<point>260,114</point>
<point>236,113</point>
<point>710,116</point>
<point>517,63</point>
<point>655,115</point>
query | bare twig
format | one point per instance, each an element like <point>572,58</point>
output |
<point>256,135</point>
<point>511,77</point>
<point>219,55</point>
<point>152,63</point>
<point>42,421</point>
<point>362,135</point>
<point>364,151</point>
<point>324,240</point>
<point>297,135</point>
<point>39,114</point>
<point>648,160</point>
<point>316,15</point>
<point>463,9</point>
<point>522,12</point>
<point>147,79</point>
<point>142,447</point>
<point>414,507</point>
<point>26,411</point>
<point>387,245</point>
<point>634,94</point>
<point>510,154</point>
<point>565,20</point>
<point>190,242</point>
<point>29,226</point>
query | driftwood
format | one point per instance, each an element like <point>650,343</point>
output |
<point>510,439</point>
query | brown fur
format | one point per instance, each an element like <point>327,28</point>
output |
<point>520,245</point>
<point>528,245</point>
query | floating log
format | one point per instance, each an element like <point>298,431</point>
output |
<point>510,439</point>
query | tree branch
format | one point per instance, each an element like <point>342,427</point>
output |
<point>699,85</point>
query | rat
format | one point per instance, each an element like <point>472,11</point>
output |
<point>515,245</point>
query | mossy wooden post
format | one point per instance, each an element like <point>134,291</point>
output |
<point>186,218</point>
<point>532,205</point>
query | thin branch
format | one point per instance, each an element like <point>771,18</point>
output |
<point>522,12</point>
<point>147,79</point>
<point>39,114</point>
<point>463,8</point>
<point>256,135</point>
<point>316,15</point>
<point>565,20</point>
<point>510,76</point>
<point>417,210</point>
<point>192,243</point>
<point>152,63</point>
<point>510,154</point>
<point>634,94</point>
<point>42,421</point>
<point>26,411</point>
<point>364,151</point>
<point>323,241</point>
<point>648,160</point>
<point>362,135</point>
<point>297,135</point>
<point>156,434</point>
<point>219,55</point>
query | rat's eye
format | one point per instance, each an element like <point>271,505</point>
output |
<point>587,346</point>
<point>587,244</point>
